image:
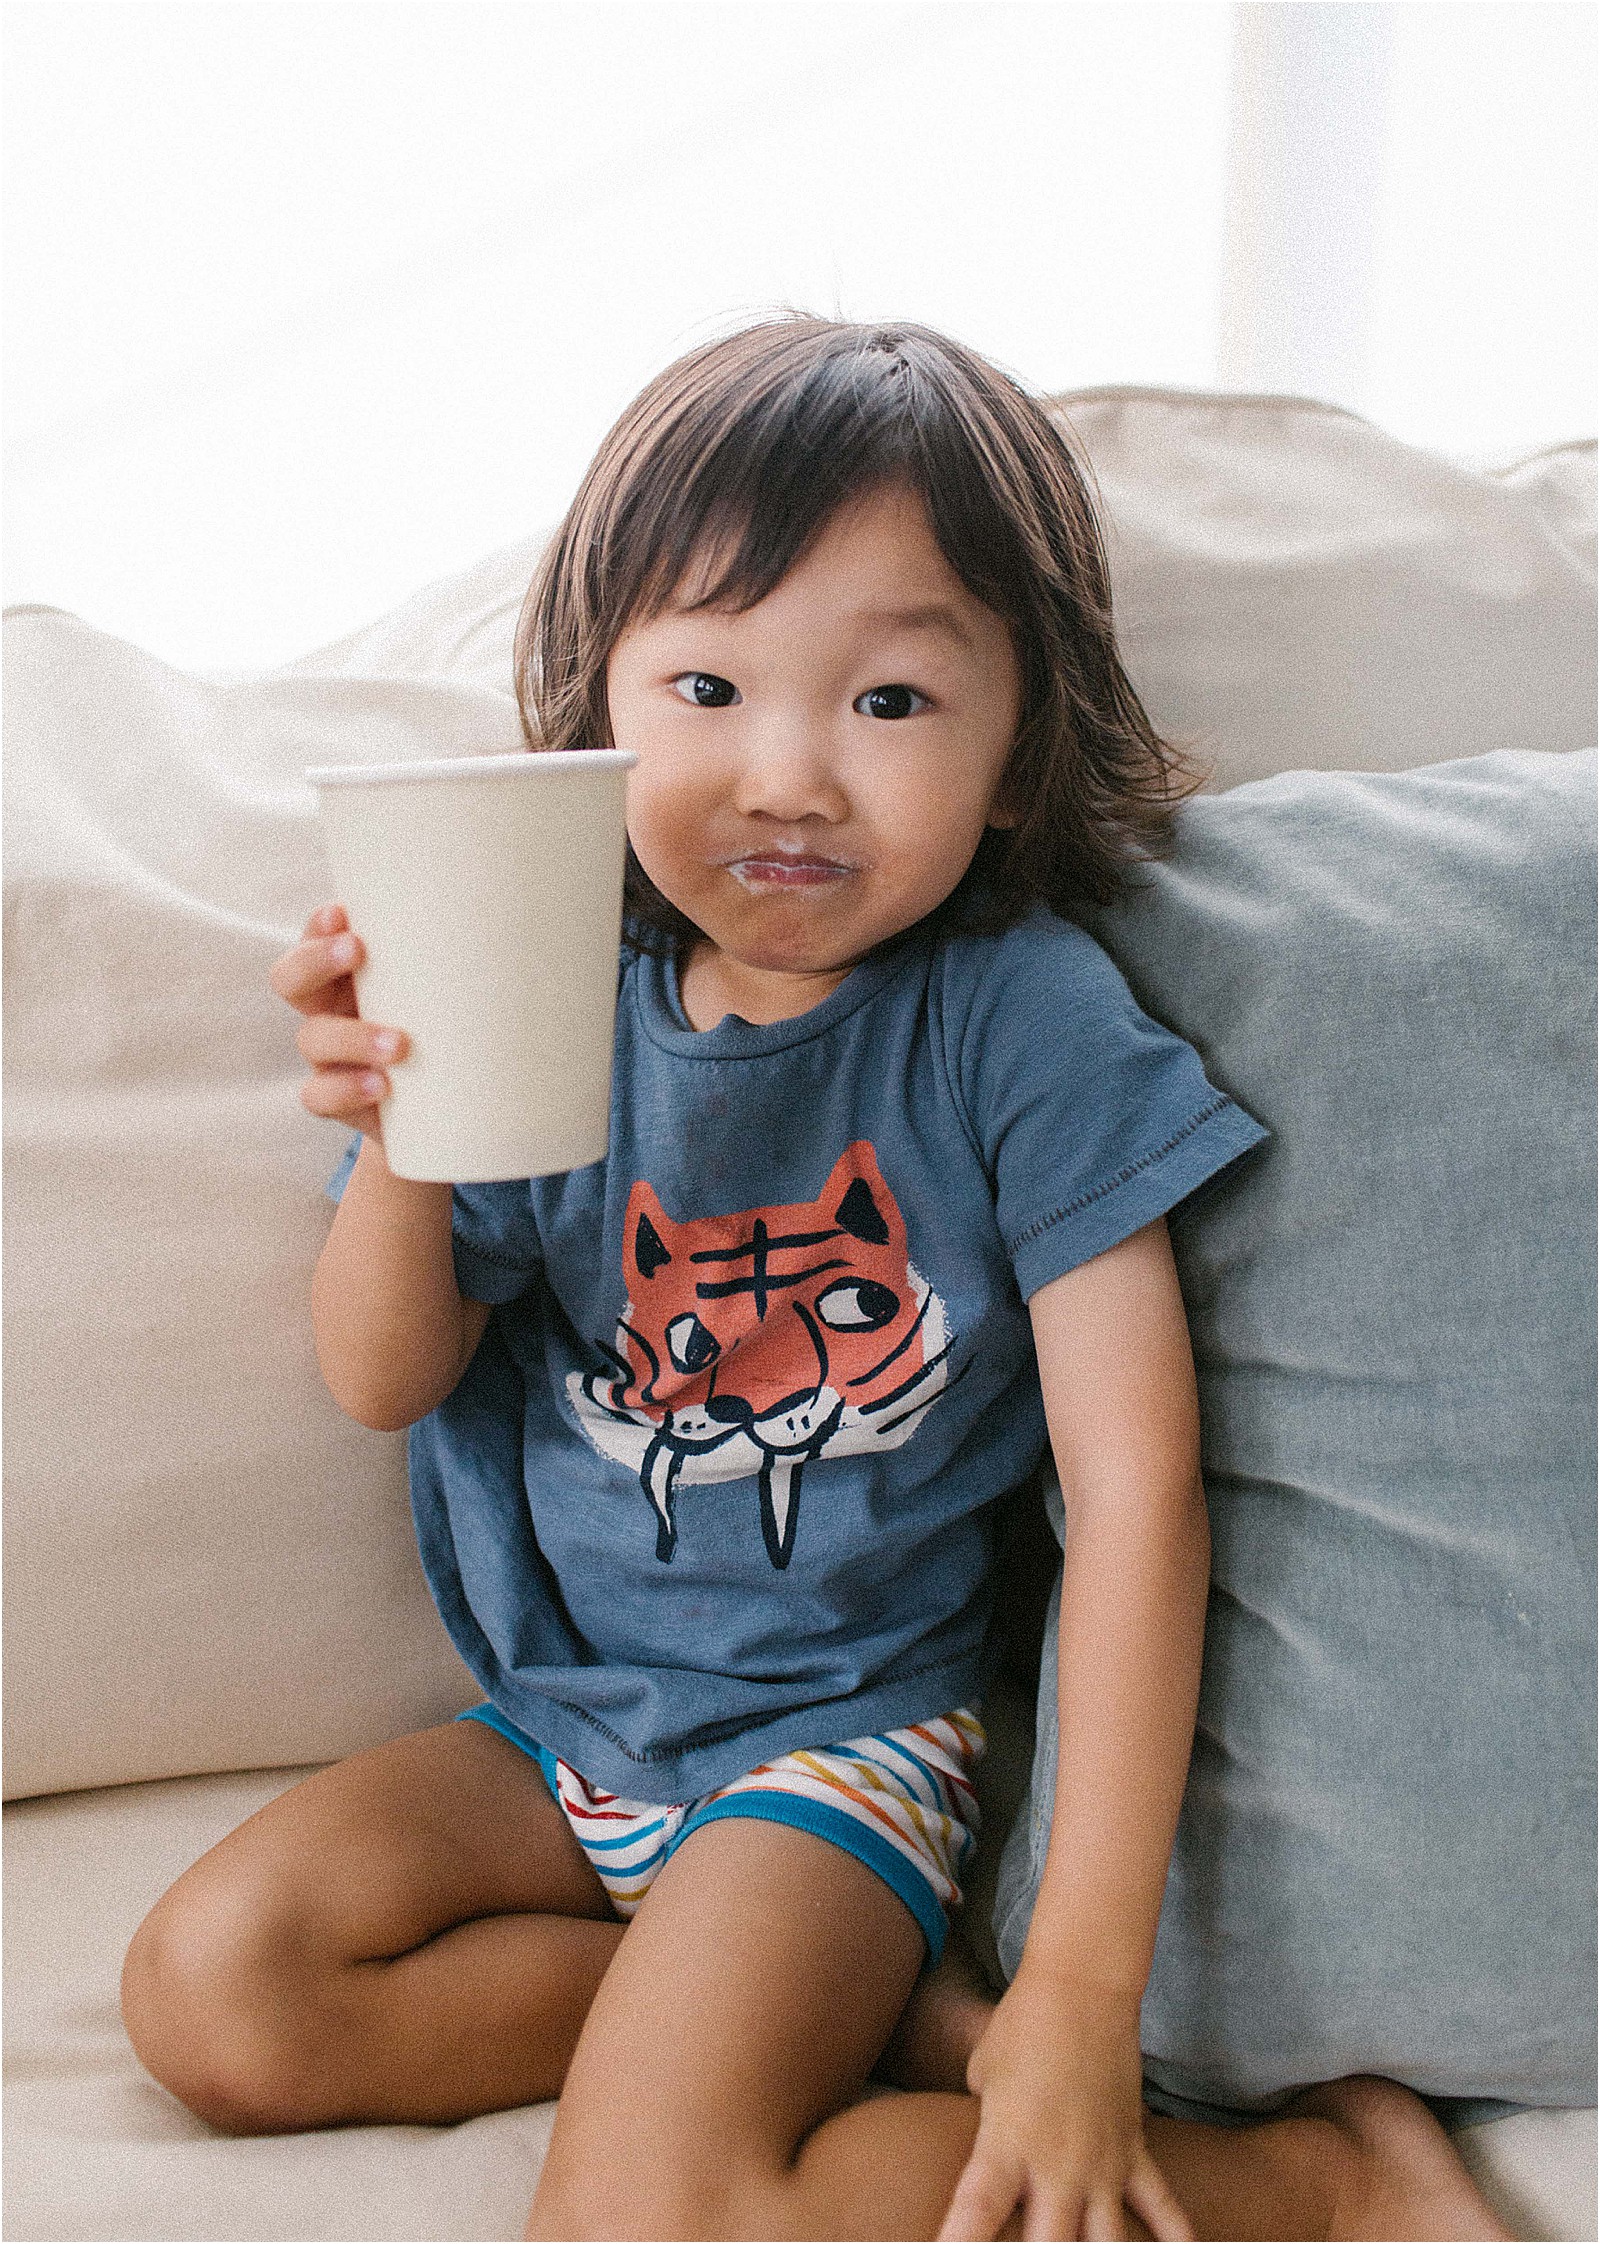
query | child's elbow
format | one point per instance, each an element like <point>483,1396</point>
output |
<point>379,1421</point>
<point>386,1388</point>
<point>379,1404</point>
<point>380,1414</point>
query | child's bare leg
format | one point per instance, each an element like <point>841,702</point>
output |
<point>713,2092</point>
<point>939,2028</point>
<point>1356,2158</point>
<point>413,1934</point>
<point>1359,2157</point>
<point>747,2004</point>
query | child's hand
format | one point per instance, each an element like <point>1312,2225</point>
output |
<point>1061,2131</point>
<point>347,1054</point>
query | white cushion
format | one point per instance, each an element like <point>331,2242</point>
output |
<point>208,1566</point>
<point>95,2149</point>
<point>1296,590</point>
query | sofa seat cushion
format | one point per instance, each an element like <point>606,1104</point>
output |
<point>210,1567</point>
<point>94,2149</point>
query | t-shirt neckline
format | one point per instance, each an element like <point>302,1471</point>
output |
<point>667,1025</point>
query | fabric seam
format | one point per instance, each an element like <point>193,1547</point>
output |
<point>485,1254</point>
<point>1103,1191</point>
<point>906,1883</point>
<point>951,1071</point>
<point>874,987</point>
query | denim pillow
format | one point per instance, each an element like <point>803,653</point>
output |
<point>1385,1859</point>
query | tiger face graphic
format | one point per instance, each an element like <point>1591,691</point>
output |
<point>752,1343</point>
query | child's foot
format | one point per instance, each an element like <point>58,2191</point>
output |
<point>1405,2179</point>
<point>940,2025</point>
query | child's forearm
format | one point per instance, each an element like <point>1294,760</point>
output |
<point>1133,1601</point>
<point>392,1329</point>
<point>1059,2067</point>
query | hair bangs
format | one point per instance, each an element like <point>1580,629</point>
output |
<point>736,505</point>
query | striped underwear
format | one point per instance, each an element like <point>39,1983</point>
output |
<point>902,1803</point>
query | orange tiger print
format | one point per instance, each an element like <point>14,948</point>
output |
<point>752,1343</point>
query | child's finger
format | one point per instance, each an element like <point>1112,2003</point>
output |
<point>983,2197</point>
<point>335,1040</point>
<point>1103,2220</point>
<point>327,919</point>
<point>1044,2216</point>
<point>1150,2196</point>
<point>1052,2215</point>
<point>315,976</point>
<point>345,1094</point>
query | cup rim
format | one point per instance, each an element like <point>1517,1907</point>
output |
<point>511,762</point>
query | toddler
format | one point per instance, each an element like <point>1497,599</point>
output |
<point>709,1439</point>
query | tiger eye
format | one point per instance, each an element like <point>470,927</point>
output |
<point>692,1347</point>
<point>857,1305</point>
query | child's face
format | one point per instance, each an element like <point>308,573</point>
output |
<point>814,775</point>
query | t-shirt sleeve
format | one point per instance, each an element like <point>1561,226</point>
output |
<point>1092,1118</point>
<point>341,1175</point>
<point>495,1236</point>
<point>493,1233</point>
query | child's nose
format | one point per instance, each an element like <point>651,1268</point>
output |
<point>788,772</point>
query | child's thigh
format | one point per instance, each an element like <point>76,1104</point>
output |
<point>380,1852</point>
<point>749,2000</point>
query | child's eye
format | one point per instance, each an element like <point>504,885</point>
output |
<point>705,689</point>
<point>889,701</point>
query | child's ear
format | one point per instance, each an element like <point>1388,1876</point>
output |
<point>1002,810</point>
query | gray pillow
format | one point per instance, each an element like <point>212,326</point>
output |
<point>1385,1860</point>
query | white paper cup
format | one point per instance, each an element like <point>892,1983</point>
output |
<point>487,891</point>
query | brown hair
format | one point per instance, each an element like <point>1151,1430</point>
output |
<point>750,444</point>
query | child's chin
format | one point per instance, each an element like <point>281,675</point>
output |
<point>789,934</point>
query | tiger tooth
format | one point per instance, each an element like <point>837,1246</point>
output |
<point>660,1477</point>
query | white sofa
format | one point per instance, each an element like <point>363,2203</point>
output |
<point>212,1586</point>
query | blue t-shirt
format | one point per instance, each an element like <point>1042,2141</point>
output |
<point>721,1478</point>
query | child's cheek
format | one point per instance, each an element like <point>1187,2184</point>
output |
<point>662,848</point>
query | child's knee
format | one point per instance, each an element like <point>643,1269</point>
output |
<point>208,2000</point>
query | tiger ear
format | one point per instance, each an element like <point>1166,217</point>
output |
<point>858,1181</point>
<point>647,1250</point>
<point>858,1214</point>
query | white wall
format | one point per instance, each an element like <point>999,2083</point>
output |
<point>310,300</point>
<point>1483,309</point>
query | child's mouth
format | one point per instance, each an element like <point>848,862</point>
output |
<point>787,872</point>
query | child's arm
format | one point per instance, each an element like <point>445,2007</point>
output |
<point>394,1332</point>
<point>1058,2069</point>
